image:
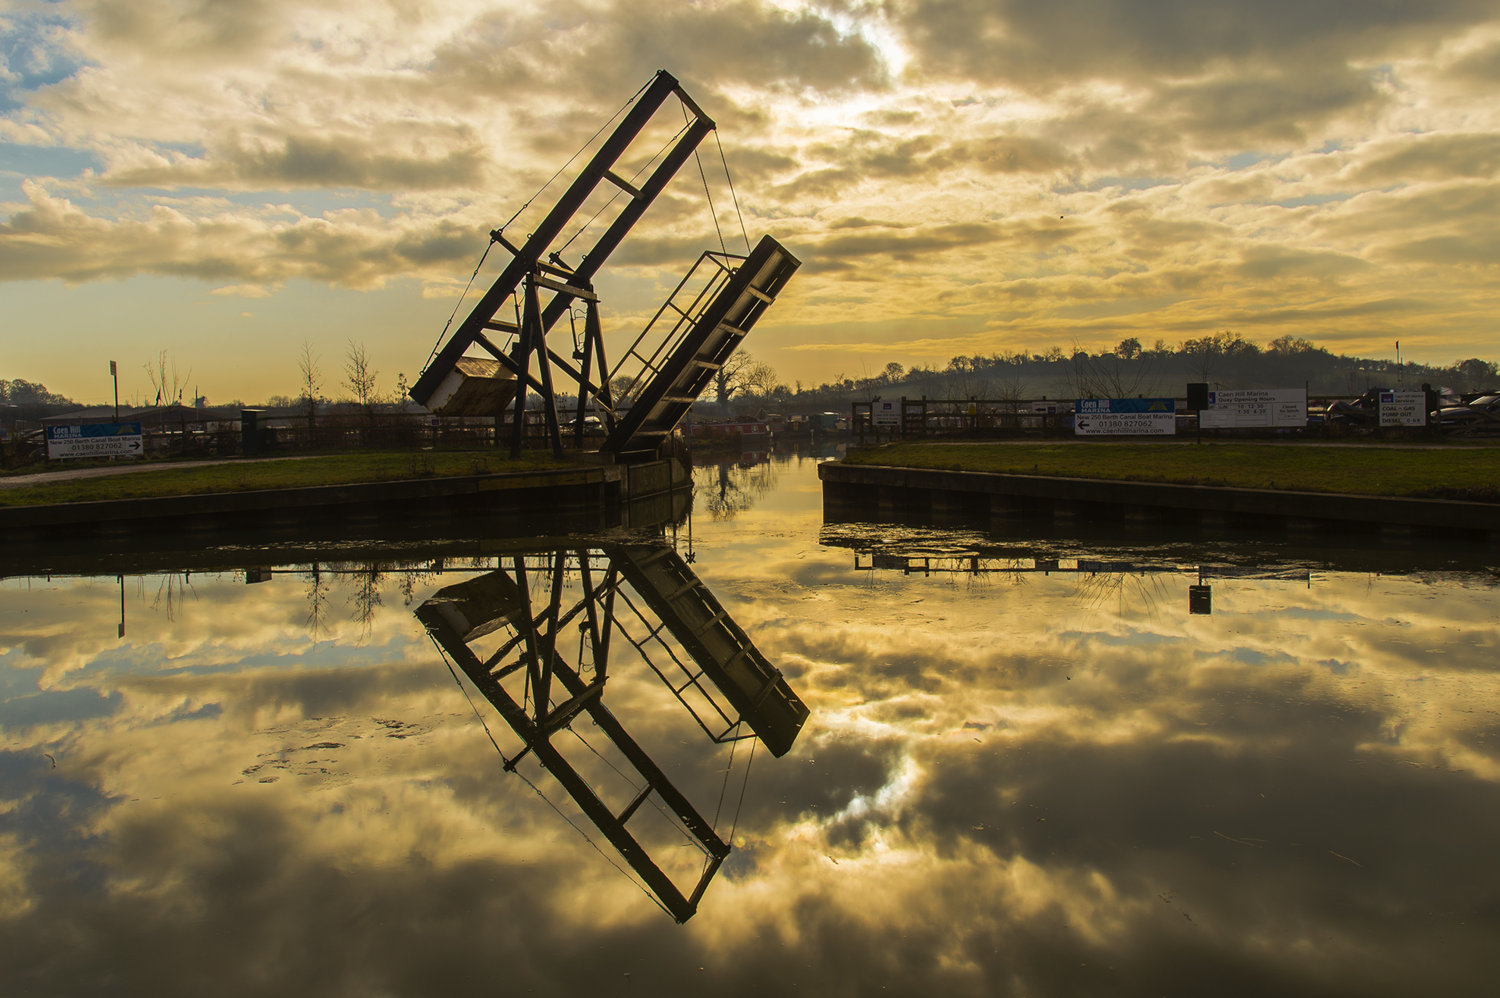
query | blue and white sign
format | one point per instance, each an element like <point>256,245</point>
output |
<point>885,413</point>
<point>1124,417</point>
<point>1399,408</point>
<point>94,440</point>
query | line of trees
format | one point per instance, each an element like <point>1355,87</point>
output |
<point>1224,360</point>
<point>28,401</point>
<point>359,385</point>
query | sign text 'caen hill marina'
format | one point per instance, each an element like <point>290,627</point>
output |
<point>94,440</point>
<point>1097,417</point>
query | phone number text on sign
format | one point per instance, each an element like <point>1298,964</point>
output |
<point>1125,417</point>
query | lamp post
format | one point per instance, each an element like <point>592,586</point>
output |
<point>113,373</point>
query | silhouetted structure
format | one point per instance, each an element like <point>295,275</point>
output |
<point>512,648</point>
<point>668,366</point>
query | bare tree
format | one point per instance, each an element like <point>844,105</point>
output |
<point>760,379</point>
<point>970,386</point>
<point>165,380</point>
<point>311,385</point>
<point>1111,375</point>
<point>742,374</point>
<point>359,377</point>
<point>310,373</point>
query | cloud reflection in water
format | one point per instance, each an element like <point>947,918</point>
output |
<point>1015,784</point>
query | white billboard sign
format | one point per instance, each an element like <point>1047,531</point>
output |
<point>1255,407</point>
<point>94,440</point>
<point>1124,417</point>
<point>1403,408</point>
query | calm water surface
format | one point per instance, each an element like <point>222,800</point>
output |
<point>1028,769</point>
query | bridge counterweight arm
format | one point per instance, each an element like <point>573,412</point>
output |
<point>528,258</point>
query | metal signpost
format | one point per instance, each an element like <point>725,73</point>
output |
<point>1265,407</point>
<point>94,440</point>
<point>1399,408</point>
<point>1124,417</point>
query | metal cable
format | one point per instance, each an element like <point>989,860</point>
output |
<point>607,857</point>
<point>616,196</point>
<point>578,153</point>
<point>706,192</point>
<point>651,798</point>
<point>449,324</point>
<point>534,789</point>
<point>732,195</point>
<point>463,689</point>
<point>743,787</point>
<point>550,180</point>
<point>734,743</point>
<point>719,807</point>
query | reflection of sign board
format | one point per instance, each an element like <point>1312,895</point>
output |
<point>885,413</point>
<point>94,440</point>
<point>1119,417</point>
<point>1403,408</point>
<point>1275,407</point>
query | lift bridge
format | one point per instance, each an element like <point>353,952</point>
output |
<point>500,352</point>
<point>535,638</point>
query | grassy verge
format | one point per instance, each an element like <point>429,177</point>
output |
<point>291,473</point>
<point>1471,473</point>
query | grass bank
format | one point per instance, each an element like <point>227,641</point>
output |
<point>284,473</point>
<point>1471,473</point>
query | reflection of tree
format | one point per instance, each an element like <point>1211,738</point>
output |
<point>1142,591</point>
<point>364,583</point>
<point>736,487</point>
<point>366,595</point>
<point>415,577</point>
<point>170,591</point>
<point>318,586</point>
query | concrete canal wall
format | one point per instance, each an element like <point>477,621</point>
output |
<point>881,492</point>
<point>577,498</point>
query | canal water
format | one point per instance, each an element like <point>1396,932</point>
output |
<point>1032,763</point>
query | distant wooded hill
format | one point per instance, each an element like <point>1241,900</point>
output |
<point>32,401</point>
<point>1224,360</point>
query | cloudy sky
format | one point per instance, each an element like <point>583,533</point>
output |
<point>226,180</point>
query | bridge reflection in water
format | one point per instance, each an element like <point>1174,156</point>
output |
<point>977,560</point>
<point>511,633</point>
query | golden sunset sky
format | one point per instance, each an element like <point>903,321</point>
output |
<point>225,181</point>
